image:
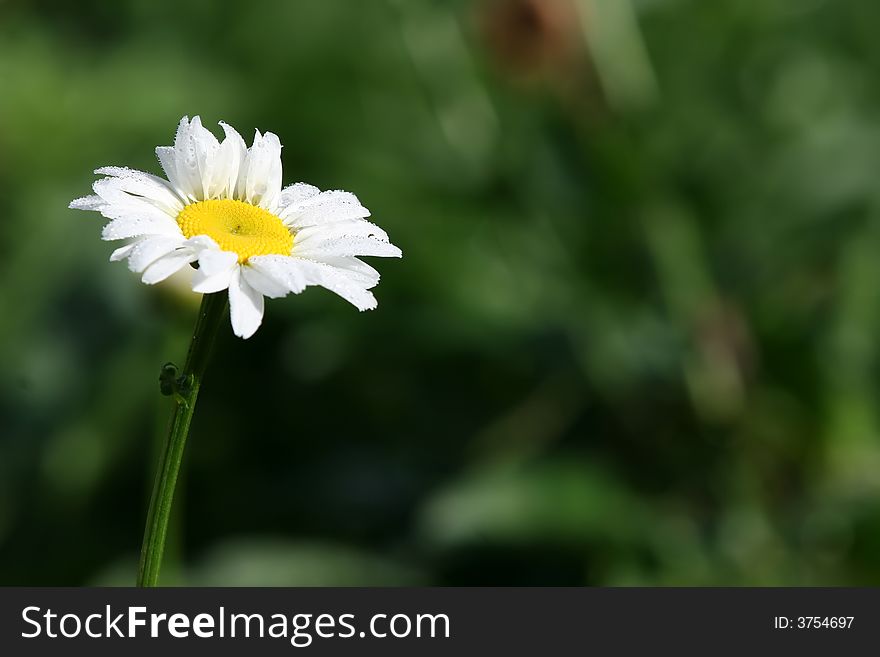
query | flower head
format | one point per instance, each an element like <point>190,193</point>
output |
<point>223,207</point>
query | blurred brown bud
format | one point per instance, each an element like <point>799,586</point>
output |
<point>533,38</point>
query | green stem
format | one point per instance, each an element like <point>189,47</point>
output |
<point>210,317</point>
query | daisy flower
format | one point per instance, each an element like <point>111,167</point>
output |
<point>223,207</point>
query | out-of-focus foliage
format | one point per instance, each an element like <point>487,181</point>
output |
<point>633,340</point>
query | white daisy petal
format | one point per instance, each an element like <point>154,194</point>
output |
<point>122,252</point>
<point>190,163</point>
<point>92,202</point>
<point>118,201</point>
<point>326,207</point>
<point>167,265</point>
<point>111,192</point>
<point>241,192</point>
<point>135,225</point>
<point>216,283</point>
<point>201,243</point>
<point>187,159</point>
<point>145,186</point>
<point>215,262</point>
<point>148,251</point>
<point>265,284</point>
<point>206,148</point>
<point>281,269</point>
<point>350,228</point>
<point>263,178</point>
<point>296,194</point>
<point>215,271</point>
<point>358,270</point>
<point>233,153</point>
<point>339,281</point>
<point>168,162</point>
<point>347,246</point>
<point>245,306</point>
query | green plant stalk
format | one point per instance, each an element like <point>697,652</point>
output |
<point>210,317</point>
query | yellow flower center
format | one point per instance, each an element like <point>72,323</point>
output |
<point>237,226</point>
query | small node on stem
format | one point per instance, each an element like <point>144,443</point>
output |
<point>167,379</point>
<point>173,383</point>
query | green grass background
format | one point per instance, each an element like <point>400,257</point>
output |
<point>633,340</point>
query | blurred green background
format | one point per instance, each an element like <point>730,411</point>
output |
<point>633,339</point>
